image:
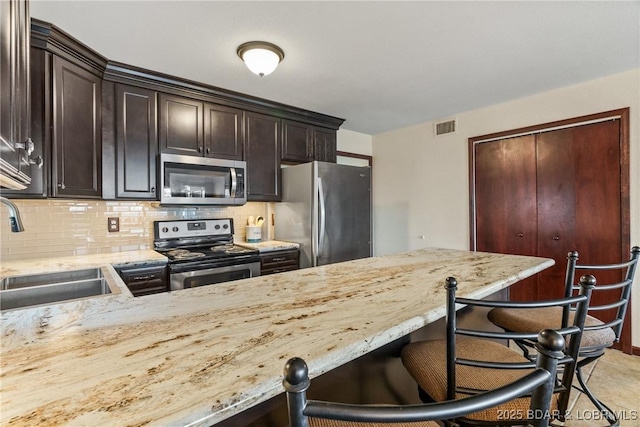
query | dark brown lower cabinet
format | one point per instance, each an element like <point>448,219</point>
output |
<point>549,193</point>
<point>279,261</point>
<point>77,131</point>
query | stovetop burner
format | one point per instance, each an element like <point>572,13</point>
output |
<point>184,241</point>
<point>230,249</point>
<point>178,254</point>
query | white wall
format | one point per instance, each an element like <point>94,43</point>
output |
<point>354,142</point>
<point>421,183</point>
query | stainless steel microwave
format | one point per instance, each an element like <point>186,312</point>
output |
<point>191,180</point>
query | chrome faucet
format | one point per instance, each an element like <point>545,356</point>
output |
<point>14,215</point>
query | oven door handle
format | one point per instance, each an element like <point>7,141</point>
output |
<point>234,182</point>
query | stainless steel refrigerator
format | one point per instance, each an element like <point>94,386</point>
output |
<point>326,208</point>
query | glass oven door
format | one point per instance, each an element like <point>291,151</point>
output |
<point>211,276</point>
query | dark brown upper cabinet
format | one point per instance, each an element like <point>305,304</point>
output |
<point>223,129</point>
<point>40,64</point>
<point>181,130</point>
<point>297,142</point>
<point>77,131</point>
<point>136,142</point>
<point>15,106</point>
<point>324,145</point>
<point>196,128</point>
<point>99,125</point>
<point>302,142</point>
<point>262,154</point>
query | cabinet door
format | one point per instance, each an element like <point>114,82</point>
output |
<point>15,89</point>
<point>136,142</point>
<point>324,145</point>
<point>40,64</point>
<point>296,141</point>
<point>77,137</point>
<point>222,132</point>
<point>262,154</point>
<point>181,129</point>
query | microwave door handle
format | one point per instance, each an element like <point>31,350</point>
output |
<point>234,181</point>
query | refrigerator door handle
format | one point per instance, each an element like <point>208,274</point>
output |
<point>322,216</point>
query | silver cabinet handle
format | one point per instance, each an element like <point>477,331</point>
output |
<point>27,146</point>
<point>37,161</point>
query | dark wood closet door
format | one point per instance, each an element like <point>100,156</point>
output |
<point>578,199</point>
<point>556,204</point>
<point>552,193</point>
<point>506,203</point>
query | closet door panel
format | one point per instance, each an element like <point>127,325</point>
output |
<point>598,192</point>
<point>598,212</point>
<point>578,200</point>
<point>556,201</point>
<point>505,200</point>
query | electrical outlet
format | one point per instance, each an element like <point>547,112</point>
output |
<point>113,224</point>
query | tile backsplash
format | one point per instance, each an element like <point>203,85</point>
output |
<point>79,227</point>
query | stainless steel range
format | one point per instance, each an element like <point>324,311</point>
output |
<point>201,252</point>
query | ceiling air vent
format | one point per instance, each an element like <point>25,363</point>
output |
<point>444,127</point>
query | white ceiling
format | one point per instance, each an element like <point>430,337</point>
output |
<point>379,65</point>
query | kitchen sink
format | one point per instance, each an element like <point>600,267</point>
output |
<point>36,289</point>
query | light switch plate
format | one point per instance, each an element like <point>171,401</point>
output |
<point>113,224</point>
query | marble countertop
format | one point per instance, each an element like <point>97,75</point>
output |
<point>52,265</point>
<point>199,356</point>
<point>270,245</point>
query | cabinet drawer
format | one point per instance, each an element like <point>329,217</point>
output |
<point>279,261</point>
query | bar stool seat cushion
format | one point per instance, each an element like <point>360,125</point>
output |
<point>426,363</point>
<point>322,422</point>
<point>536,319</point>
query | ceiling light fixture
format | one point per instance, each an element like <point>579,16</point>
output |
<point>260,57</point>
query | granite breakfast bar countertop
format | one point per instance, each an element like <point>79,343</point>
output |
<point>199,356</point>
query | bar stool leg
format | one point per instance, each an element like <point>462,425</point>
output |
<point>610,415</point>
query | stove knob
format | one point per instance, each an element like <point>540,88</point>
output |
<point>175,229</point>
<point>225,226</point>
<point>217,227</point>
<point>165,229</point>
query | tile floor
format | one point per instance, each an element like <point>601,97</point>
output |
<point>616,381</point>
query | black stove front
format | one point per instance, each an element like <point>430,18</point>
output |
<point>201,252</point>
